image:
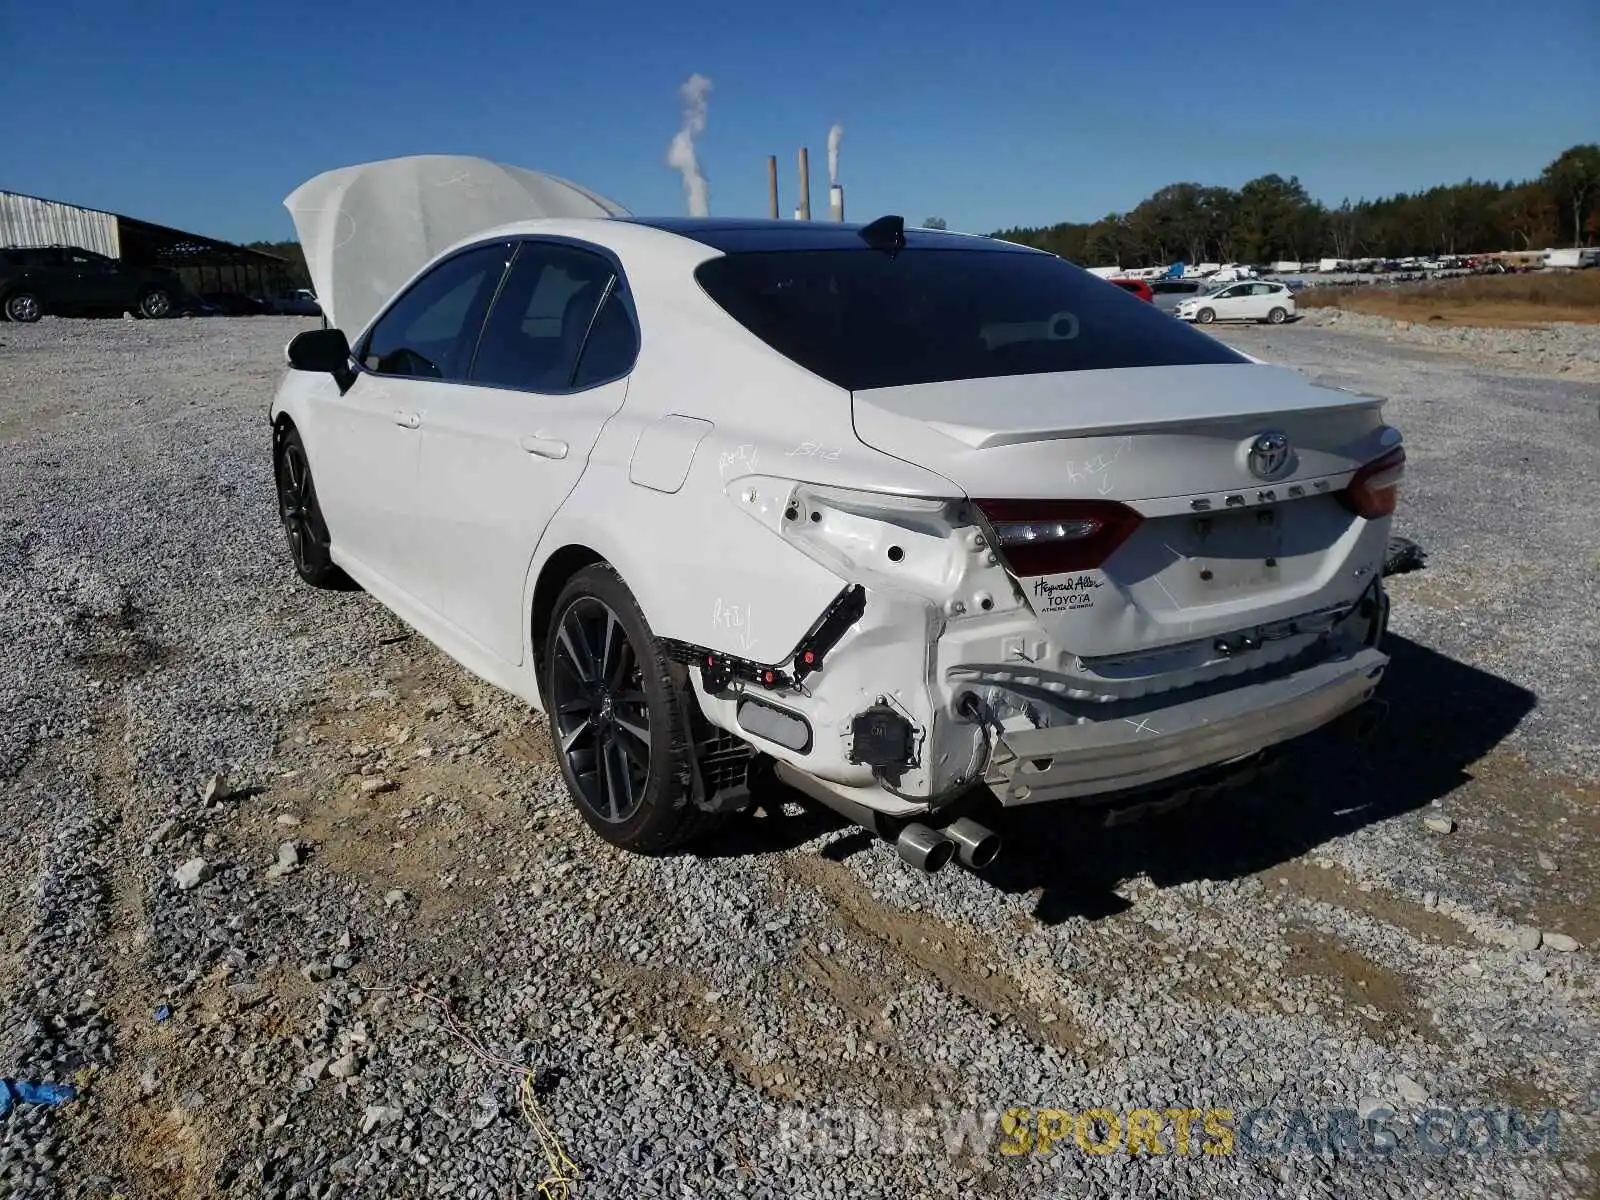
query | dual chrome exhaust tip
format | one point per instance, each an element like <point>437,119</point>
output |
<point>930,850</point>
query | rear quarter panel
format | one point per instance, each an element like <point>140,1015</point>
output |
<point>703,571</point>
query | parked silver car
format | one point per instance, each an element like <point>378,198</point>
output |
<point>1167,294</point>
<point>302,302</point>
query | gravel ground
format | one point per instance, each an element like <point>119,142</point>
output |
<point>268,860</point>
<point>1567,350</point>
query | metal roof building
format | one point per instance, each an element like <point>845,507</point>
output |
<point>34,221</point>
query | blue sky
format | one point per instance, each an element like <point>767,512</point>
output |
<point>206,116</point>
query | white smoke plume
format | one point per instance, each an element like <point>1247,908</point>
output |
<point>835,136</point>
<point>680,154</point>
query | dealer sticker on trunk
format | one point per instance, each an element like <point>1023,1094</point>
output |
<point>1067,592</point>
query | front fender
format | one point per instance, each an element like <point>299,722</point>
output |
<point>295,398</point>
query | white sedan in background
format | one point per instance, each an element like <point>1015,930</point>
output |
<point>1253,300</point>
<point>915,520</point>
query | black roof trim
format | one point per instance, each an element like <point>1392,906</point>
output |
<point>744,235</point>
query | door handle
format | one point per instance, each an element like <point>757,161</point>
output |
<point>544,447</point>
<point>408,419</point>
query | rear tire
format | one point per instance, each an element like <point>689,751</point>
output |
<point>617,718</point>
<point>23,307</point>
<point>155,304</point>
<point>1205,316</point>
<point>1277,317</point>
<point>301,514</point>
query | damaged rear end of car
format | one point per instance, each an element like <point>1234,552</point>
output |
<point>1154,557</point>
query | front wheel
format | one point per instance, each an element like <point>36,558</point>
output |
<point>301,514</point>
<point>23,307</point>
<point>155,303</point>
<point>617,719</point>
<point>1277,317</point>
<point>1205,316</point>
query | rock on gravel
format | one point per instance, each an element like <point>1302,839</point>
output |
<point>377,1116</point>
<point>192,874</point>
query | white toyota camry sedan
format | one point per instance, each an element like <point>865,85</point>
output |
<point>902,517</point>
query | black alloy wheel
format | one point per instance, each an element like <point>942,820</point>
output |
<point>600,711</point>
<point>301,514</point>
<point>620,717</point>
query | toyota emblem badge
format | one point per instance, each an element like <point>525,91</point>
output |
<point>1269,455</point>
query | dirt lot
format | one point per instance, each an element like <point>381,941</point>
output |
<point>760,1017</point>
<point>1482,301</point>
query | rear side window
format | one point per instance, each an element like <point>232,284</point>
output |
<point>861,319</point>
<point>541,318</point>
<point>612,346</point>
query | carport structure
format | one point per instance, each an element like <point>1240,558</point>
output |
<point>205,264</point>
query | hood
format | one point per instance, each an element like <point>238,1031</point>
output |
<point>367,229</point>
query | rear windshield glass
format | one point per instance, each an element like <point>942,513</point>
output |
<point>861,319</point>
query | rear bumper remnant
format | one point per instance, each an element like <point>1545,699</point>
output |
<point>1059,763</point>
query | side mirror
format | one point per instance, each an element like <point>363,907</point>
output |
<point>325,350</point>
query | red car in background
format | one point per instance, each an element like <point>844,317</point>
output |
<point>1138,287</point>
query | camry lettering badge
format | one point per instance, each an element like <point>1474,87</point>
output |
<point>1269,455</point>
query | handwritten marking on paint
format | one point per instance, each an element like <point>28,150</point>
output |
<point>1099,465</point>
<point>1074,591</point>
<point>740,458</point>
<point>734,620</point>
<point>813,450</point>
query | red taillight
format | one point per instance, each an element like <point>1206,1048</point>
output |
<point>1375,489</point>
<point>1048,537</point>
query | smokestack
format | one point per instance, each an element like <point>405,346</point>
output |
<point>680,154</point>
<point>772,184</point>
<point>805,184</point>
<point>835,192</point>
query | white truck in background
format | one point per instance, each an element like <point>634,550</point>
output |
<point>1575,258</point>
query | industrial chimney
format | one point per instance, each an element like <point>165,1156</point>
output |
<point>772,184</point>
<point>835,191</point>
<point>805,185</point>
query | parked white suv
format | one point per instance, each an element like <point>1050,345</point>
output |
<point>1254,300</point>
<point>906,515</point>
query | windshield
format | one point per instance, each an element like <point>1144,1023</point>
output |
<point>861,319</point>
